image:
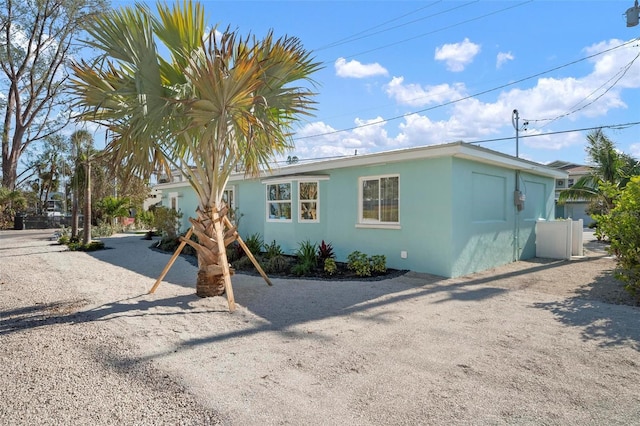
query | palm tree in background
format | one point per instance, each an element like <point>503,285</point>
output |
<point>611,170</point>
<point>83,154</point>
<point>218,101</point>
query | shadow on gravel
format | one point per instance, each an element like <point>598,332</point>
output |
<point>71,312</point>
<point>600,316</point>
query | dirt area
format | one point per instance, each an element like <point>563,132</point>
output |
<point>535,342</point>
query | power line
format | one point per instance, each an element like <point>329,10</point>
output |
<point>468,96</point>
<point>483,141</point>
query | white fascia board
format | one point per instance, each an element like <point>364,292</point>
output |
<point>298,177</point>
<point>455,149</point>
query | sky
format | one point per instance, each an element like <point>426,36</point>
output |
<point>399,74</point>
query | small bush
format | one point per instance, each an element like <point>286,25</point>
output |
<point>234,252</point>
<point>243,264</point>
<point>306,253</point>
<point>330,266</point>
<point>272,250</point>
<point>359,263</point>
<point>379,263</point>
<point>254,243</point>
<point>166,221</point>
<point>277,264</point>
<point>92,246</point>
<point>304,267</point>
<point>64,240</point>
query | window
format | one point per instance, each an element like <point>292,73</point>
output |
<point>279,201</point>
<point>379,200</point>
<point>570,183</point>
<point>173,200</point>
<point>560,183</point>
<point>229,199</point>
<point>308,202</point>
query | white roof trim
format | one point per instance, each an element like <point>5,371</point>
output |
<point>455,149</point>
<point>289,178</point>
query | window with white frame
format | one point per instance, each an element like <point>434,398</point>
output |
<point>308,208</point>
<point>279,201</point>
<point>379,200</point>
<point>173,201</point>
<point>228,196</point>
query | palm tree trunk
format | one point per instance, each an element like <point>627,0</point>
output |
<point>87,207</point>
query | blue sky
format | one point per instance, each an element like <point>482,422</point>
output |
<point>411,73</point>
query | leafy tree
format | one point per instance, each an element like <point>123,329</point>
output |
<point>11,202</point>
<point>36,41</point>
<point>622,228</point>
<point>218,102</point>
<point>610,170</point>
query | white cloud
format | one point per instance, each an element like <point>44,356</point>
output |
<point>502,58</point>
<point>591,95</point>
<point>355,69</point>
<point>418,96</point>
<point>457,55</point>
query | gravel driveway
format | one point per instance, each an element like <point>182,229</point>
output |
<point>537,342</point>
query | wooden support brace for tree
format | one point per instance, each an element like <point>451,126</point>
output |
<point>171,261</point>
<point>248,252</point>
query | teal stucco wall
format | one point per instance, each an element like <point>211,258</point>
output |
<point>457,216</point>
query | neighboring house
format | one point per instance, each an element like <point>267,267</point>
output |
<point>447,210</point>
<point>576,209</point>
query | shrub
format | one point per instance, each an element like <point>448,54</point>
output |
<point>621,228</point>
<point>92,246</point>
<point>325,251</point>
<point>304,267</point>
<point>306,253</point>
<point>254,243</point>
<point>145,219</point>
<point>277,264</point>
<point>244,263</point>
<point>166,221</point>
<point>234,251</point>
<point>359,263</point>
<point>330,266</point>
<point>379,263</point>
<point>272,250</point>
<point>64,240</point>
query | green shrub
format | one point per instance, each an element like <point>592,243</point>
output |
<point>359,263</point>
<point>64,240</point>
<point>254,243</point>
<point>622,229</point>
<point>92,246</point>
<point>272,250</point>
<point>379,263</point>
<point>145,219</point>
<point>166,221</point>
<point>277,264</point>
<point>242,264</point>
<point>306,253</point>
<point>304,267</point>
<point>330,266</point>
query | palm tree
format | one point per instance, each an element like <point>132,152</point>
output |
<point>219,101</point>
<point>611,170</point>
<point>83,154</point>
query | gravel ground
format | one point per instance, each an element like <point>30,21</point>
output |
<point>537,342</point>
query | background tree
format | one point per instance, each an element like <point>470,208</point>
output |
<point>36,41</point>
<point>212,105</point>
<point>82,150</point>
<point>611,170</point>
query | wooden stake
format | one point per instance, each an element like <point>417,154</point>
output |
<point>171,261</point>
<point>219,228</point>
<point>247,251</point>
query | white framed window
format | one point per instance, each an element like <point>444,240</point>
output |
<point>279,202</point>
<point>308,201</point>
<point>173,201</point>
<point>379,201</point>
<point>229,197</point>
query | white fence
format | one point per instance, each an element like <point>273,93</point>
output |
<point>559,239</point>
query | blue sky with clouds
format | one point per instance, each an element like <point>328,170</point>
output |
<point>411,73</point>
